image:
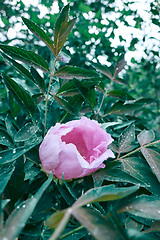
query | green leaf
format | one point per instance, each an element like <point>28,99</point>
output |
<point>106,193</point>
<point>25,56</point>
<point>103,69</point>
<point>143,206</point>
<point>114,174</point>
<point>17,220</point>
<point>5,139</point>
<point>62,29</point>
<point>54,220</point>
<point>120,81</point>
<point>22,97</point>
<point>97,225</point>
<point>19,67</point>
<point>126,138</point>
<point>38,32</point>
<point>38,79</point>
<point>8,156</point>
<point>145,137</point>
<point>68,89</point>
<point>5,175</point>
<point>64,104</point>
<point>139,169</point>
<point>152,157</point>
<point>119,66</point>
<point>120,94</point>
<point>70,72</point>
<point>26,132</point>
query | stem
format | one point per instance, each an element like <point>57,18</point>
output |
<point>104,96</point>
<point>138,149</point>
<point>71,232</point>
<point>47,98</point>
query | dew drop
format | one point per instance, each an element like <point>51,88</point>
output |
<point>14,150</point>
<point>24,206</point>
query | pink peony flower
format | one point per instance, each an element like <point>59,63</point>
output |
<point>75,149</point>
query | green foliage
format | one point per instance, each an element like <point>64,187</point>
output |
<point>120,201</point>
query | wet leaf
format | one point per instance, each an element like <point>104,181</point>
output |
<point>105,193</point>
<point>5,175</point>
<point>26,132</point>
<point>152,157</point>
<point>126,138</point>
<point>143,206</point>
<point>38,79</point>
<point>119,66</point>
<point>64,104</point>
<point>103,69</point>
<point>16,221</point>
<point>145,137</point>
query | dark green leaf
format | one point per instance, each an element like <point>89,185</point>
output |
<point>97,225</point>
<point>153,159</point>
<point>25,56</point>
<point>39,80</point>
<point>68,89</point>
<point>145,137</point>
<point>126,138</point>
<point>16,221</point>
<point>22,97</point>
<point>36,30</point>
<point>119,66</point>
<point>5,139</point>
<point>120,81</point>
<point>103,69</point>
<point>11,155</point>
<point>70,72</point>
<point>120,94</point>
<point>5,175</point>
<point>106,193</point>
<point>19,67</point>
<point>64,104</point>
<point>62,29</point>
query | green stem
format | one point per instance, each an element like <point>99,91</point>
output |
<point>47,98</point>
<point>104,96</point>
<point>138,149</point>
<point>71,232</point>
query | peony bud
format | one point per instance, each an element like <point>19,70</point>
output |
<point>75,149</point>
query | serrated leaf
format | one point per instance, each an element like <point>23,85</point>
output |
<point>103,69</point>
<point>97,225</point>
<point>8,156</point>
<point>105,193</point>
<point>17,220</point>
<point>126,138</point>
<point>62,29</point>
<point>39,80</point>
<point>64,104</point>
<point>26,132</point>
<point>143,206</point>
<point>153,159</point>
<point>145,137</point>
<point>139,169</point>
<point>38,32</point>
<point>19,67</point>
<point>5,175</point>
<point>70,72</point>
<point>22,97</point>
<point>25,56</point>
